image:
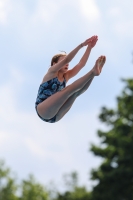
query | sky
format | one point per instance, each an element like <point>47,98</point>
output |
<point>31,32</point>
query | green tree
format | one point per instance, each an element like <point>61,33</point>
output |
<point>79,193</point>
<point>73,192</point>
<point>8,186</point>
<point>28,189</point>
<point>115,175</point>
<point>31,190</point>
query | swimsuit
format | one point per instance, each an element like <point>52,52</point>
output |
<point>47,89</point>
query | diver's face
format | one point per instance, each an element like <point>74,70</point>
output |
<point>65,67</point>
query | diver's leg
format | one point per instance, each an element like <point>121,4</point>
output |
<point>68,104</point>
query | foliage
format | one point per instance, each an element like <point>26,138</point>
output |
<point>31,190</point>
<point>8,185</point>
<point>74,192</point>
<point>115,175</point>
<point>27,189</point>
<point>79,193</point>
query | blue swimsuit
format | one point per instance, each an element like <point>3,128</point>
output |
<point>47,89</point>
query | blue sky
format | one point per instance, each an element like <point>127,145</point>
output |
<point>31,32</point>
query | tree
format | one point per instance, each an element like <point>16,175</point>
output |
<point>74,192</point>
<point>28,189</point>
<point>8,186</point>
<point>31,190</point>
<point>79,193</point>
<point>115,175</point>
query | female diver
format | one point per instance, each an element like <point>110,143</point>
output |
<point>54,99</point>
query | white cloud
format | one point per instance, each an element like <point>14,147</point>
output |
<point>115,12</point>
<point>90,10</point>
<point>3,137</point>
<point>121,21</point>
<point>8,95</point>
<point>16,75</point>
<point>5,8</point>
<point>124,28</point>
<point>45,11</point>
<point>35,148</point>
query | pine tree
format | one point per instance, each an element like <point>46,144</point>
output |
<point>115,175</point>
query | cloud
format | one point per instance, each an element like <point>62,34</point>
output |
<point>35,148</point>
<point>121,20</point>
<point>115,12</point>
<point>32,29</point>
<point>3,137</point>
<point>90,10</point>
<point>5,8</point>
<point>45,11</point>
<point>124,28</point>
<point>8,94</point>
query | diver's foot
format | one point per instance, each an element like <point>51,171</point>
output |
<point>99,65</point>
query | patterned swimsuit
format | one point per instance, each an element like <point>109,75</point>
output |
<point>47,89</point>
